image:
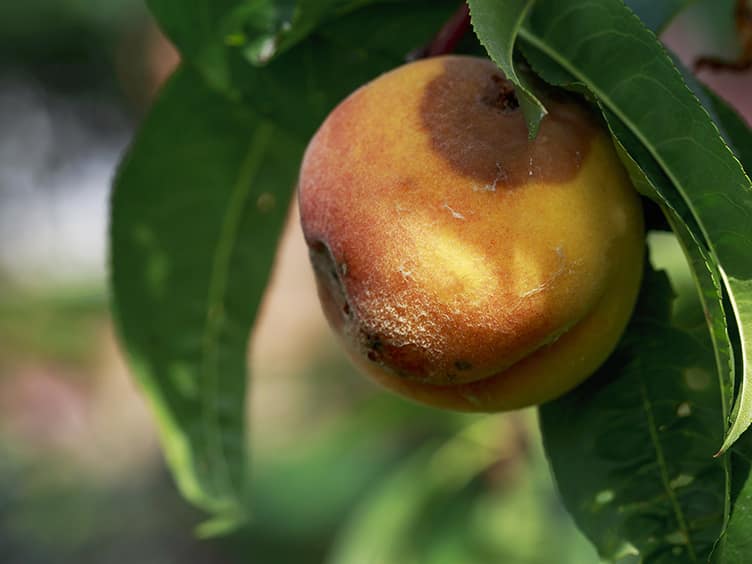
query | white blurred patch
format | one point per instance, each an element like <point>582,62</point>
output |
<point>57,158</point>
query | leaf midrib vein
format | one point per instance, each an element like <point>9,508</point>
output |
<point>215,316</point>
<point>661,459</point>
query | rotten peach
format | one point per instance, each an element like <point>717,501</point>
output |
<point>464,265</point>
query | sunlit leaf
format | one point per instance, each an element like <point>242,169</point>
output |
<point>198,205</point>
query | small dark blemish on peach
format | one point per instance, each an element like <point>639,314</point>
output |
<point>373,342</point>
<point>500,95</point>
<point>462,365</point>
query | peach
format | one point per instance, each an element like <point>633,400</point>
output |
<point>463,265</point>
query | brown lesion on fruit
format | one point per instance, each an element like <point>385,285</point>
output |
<point>329,283</point>
<point>373,346</point>
<point>500,94</point>
<point>472,117</point>
<point>404,360</point>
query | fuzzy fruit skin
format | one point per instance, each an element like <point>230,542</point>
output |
<point>464,266</point>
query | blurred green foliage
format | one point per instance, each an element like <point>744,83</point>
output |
<point>57,324</point>
<point>377,480</point>
<point>370,478</point>
<point>62,31</point>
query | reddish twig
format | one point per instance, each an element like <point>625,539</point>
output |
<point>446,40</point>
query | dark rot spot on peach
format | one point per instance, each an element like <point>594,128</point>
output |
<point>500,94</point>
<point>462,365</point>
<point>471,115</point>
<point>331,291</point>
<point>407,361</point>
<point>373,346</point>
<point>373,341</point>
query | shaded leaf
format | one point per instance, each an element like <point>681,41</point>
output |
<point>299,87</point>
<point>737,131</point>
<point>293,25</point>
<point>737,543</point>
<point>735,547</point>
<point>632,448</point>
<point>215,36</point>
<point>201,28</point>
<point>648,178</point>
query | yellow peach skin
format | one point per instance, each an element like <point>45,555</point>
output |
<point>463,265</point>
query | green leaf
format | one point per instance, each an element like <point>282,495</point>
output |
<point>379,29</point>
<point>632,448</point>
<point>648,178</point>
<point>737,131</point>
<point>497,24</point>
<point>735,547</point>
<point>215,37</point>
<point>657,15</point>
<point>604,49</point>
<point>296,86</point>
<point>299,87</point>
<point>294,21</point>
<point>200,29</point>
<point>294,26</point>
<point>737,542</point>
<point>198,204</point>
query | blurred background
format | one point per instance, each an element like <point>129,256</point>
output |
<point>341,471</point>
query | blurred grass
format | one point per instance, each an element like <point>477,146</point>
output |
<point>59,324</point>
